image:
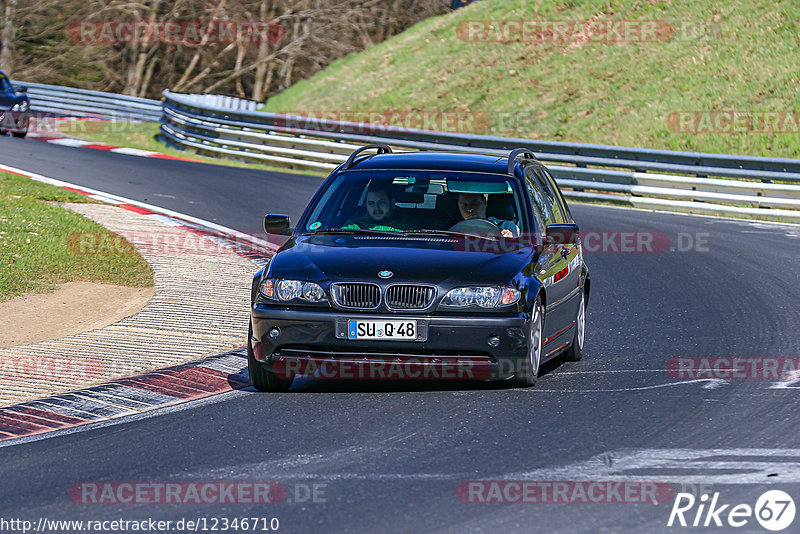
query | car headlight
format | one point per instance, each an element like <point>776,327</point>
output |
<point>20,106</point>
<point>283,290</point>
<point>481,296</point>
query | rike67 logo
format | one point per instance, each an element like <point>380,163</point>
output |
<point>774,510</point>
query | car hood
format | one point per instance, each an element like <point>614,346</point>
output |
<point>438,261</point>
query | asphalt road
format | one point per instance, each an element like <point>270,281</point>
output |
<point>389,457</point>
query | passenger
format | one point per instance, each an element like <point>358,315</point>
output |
<point>473,206</point>
<point>380,205</point>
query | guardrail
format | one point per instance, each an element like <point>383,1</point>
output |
<point>222,101</point>
<point>693,182</point>
<point>69,101</point>
<point>218,125</point>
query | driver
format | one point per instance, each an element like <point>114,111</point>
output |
<point>473,206</point>
<point>380,214</point>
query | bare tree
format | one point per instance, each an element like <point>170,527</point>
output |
<point>39,36</point>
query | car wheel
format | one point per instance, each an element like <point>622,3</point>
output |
<point>21,134</point>
<point>575,351</point>
<point>528,371</point>
<point>262,379</point>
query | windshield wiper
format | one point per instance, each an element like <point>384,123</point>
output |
<point>445,233</point>
<point>352,231</point>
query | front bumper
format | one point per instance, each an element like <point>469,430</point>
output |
<point>311,341</point>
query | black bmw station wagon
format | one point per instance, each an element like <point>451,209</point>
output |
<point>422,265</point>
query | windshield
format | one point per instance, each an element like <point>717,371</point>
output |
<point>419,202</point>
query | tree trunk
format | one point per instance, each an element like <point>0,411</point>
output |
<point>148,75</point>
<point>183,82</point>
<point>7,36</point>
<point>238,68</point>
<point>263,49</point>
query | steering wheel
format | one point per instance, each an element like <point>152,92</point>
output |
<point>476,226</point>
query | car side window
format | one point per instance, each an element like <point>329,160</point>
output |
<point>559,196</point>
<point>541,210</point>
<point>552,196</point>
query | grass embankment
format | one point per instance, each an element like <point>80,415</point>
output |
<point>143,135</point>
<point>707,56</point>
<point>37,238</point>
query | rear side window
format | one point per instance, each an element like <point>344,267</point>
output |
<point>541,207</point>
<point>553,199</point>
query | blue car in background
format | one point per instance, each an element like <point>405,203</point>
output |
<point>14,108</point>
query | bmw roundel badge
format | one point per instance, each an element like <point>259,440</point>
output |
<point>385,274</point>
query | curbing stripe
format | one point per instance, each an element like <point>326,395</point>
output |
<point>178,158</point>
<point>49,404</point>
<point>80,143</point>
<point>161,385</point>
<point>46,423</point>
<point>112,400</point>
<point>126,396</point>
<point>101,146</point>
<point>136,209</point>
<point>83,404</point>
<point>55,417</point>
<point>180,380</point>
<point>133,151</point>
<point>116,390</point>
<point>65,141</point>
<point>26,426</point>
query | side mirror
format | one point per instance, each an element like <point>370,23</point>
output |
<point>277,224</point>
<point>21,89</point>
<point>562,234</point>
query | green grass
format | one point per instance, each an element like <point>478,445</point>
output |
<point>38,242</point>
<point>739,55</point>
<point>143,135</point>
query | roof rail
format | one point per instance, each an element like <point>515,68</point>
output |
<point>512,157</point>
<point>382,149</point>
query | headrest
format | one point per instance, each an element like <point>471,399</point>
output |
<point>501,207</point>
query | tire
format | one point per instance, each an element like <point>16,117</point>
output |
<point>575,351</point>
<point>21,134</point>
<point>528,371</point>
<point>262,379</point>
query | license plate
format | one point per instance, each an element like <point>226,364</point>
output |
<point>386,330</point>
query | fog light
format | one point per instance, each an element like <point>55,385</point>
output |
<point>494,341</point>
<point>275,332</point>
